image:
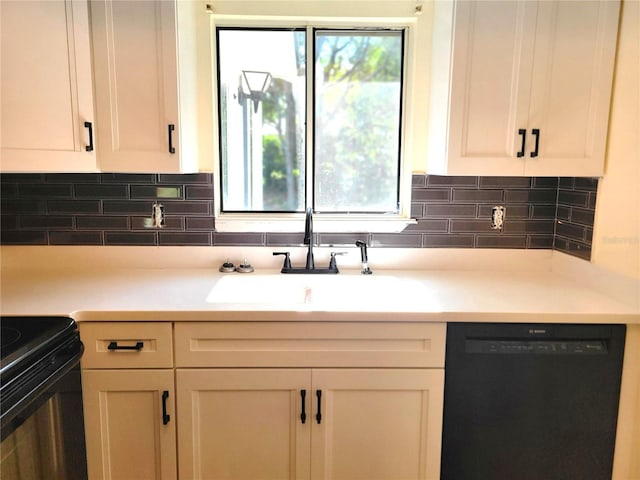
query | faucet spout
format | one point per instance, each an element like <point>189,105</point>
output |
<point>308,238</point>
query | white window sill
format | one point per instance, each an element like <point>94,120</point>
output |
<point>322,223</point>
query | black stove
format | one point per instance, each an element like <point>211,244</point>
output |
<point>35,352</point>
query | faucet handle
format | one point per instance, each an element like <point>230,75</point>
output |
<point>287,259</point>
<point>332,262</point>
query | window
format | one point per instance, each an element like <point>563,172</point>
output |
<point>312,114</point>
<point>262,109</point>
<point>357,112</point>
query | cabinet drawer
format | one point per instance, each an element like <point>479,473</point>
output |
<point>126,345</point>
<point>330,344</point>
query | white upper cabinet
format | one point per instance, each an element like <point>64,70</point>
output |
<point>136,78</point>
<point>47,99</point>
<point>143,121</point>
<point>529,87</point>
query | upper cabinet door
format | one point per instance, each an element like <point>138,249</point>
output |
<point>47,96</point>
<point>530,87</point>
<point>490,86</point>
<point>571,88</point>
<point>135,62</point>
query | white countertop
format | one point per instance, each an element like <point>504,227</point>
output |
<point>543,287</point>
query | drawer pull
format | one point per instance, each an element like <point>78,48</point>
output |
<point>522,132</point>
<point>303,415</point>
<point>114,346</point>
<point>536,132</point>
<point>318,414</point>
<point>165,416</point>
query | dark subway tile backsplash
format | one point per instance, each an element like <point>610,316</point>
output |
<point>83,191</point>
<point>575,216</point>
<point>506,241</point>
<point>77,207</point>
<point>450,240</point>
<point>184,238</point>
<point>239,238</point>
<point>505,182</point>
<point>75,238</point>
<point>137,207</point>
<point>41,190</point>
<point>451,212</point>
<point>128,178</point>
<point>403,240</point>
<point>159,192</point>
<point>46,222</point>
<point>23,237</point>
<point>131,238</point>
<point>102,223</point>
<point>21,206</point>
<point>442,181</point>
<point>477,196</point>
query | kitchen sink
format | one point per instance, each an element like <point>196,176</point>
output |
<point>336,290</point>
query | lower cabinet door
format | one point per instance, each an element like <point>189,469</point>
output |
<point>377,424</point>
<point>130,424</point>
<point>319,424</point>
<point>244,423</point>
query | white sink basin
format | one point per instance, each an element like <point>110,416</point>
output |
<point>329,290</point>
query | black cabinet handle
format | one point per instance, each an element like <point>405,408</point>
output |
<point>303,414</point>
<point>172,127</point>
<point>318,414</point>
<point>89,125</point>
<point>536,132</point>
<point>165,416</point>
<point>114,346</point>
<point>522,132</point>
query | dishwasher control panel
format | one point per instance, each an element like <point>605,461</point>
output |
<point>536,347</point>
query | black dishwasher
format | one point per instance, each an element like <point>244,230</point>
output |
<point>531,401</point>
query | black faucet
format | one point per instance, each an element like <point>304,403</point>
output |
<point>308,238</point>
<point>310,264</point>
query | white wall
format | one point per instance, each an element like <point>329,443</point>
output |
<point>616,242</point>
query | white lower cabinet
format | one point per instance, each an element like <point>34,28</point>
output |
<point>309,423</point>
<point>263,400</point>
<point>242,424</point>
<point>377,424</point>
<point>128,391</point>
<point>129,424</point>
<point>346,401</point>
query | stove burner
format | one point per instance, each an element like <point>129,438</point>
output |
<point>9,335</point>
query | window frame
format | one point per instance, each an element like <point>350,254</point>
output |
<point>333,14</point>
